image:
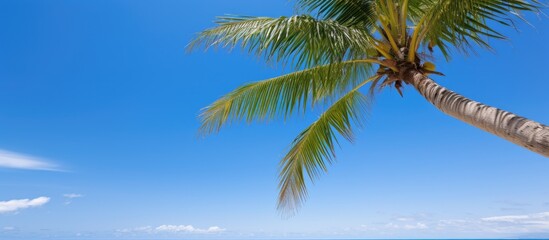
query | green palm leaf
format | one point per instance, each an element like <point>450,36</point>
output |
<point>303,40</point>
<point>281,96</point>
<point>314,148</point>
<point>464,23</point>
<point>349,12</point>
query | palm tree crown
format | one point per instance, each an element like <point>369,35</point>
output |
<point>339,47</point>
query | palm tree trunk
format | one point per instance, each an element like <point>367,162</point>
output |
<point>519,130</point>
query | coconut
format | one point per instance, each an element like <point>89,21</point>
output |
<point>429,66</point>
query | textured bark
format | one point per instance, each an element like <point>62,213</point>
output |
<point>519,130</point>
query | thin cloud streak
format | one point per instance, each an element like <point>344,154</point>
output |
<point>189,228</point>
<point>503,226</point>
<point>174,229</point>
<point>18,204</point>
<point>21,161</point>
<point>73,195</point>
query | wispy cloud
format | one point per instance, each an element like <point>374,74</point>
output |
<point>7,229</point>
<point>521,223</point>
<point>507,226</point>
<point>18,204</point>
<point>174,229</point>
<point>73,195</point>
<point>70,196</point>
<point>509,218</point>
<point>391,226</point>
<point>20,161</point>
<point>189,229</point>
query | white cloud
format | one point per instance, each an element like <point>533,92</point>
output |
<point>407,226</point>
<point>9,228</point>
<point>174,229</point>
<point>21,161</point>
<point>215,229</point>
<point>73,195</point>
<point>415,226</point>
<point>506,226</point>
<point>520,223</point>
<point>543,216</point>
<point>510,218</point>
<point>145,229</point>
<point>17,204</point>
<point>188,229</point>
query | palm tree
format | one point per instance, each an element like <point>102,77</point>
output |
<point>347,45</point>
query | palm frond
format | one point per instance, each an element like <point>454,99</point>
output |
<point>302,40</point>
<point>283,95</point>
<point>463,24</point>
<point>314,148</point>
<point>358,13</point>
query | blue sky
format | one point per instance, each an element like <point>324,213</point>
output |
<point>98,136</point>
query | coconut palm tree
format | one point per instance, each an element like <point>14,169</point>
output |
<point>342,46</point>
